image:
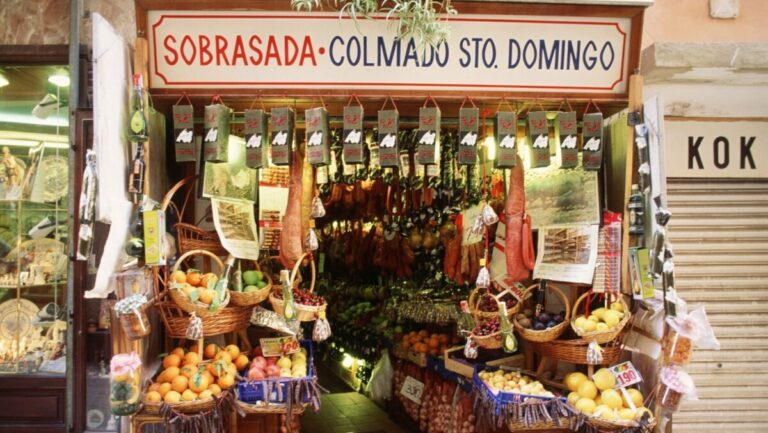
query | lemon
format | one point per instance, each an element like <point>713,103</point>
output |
<point>599,312</point>
<point>573,397</point>
<point>604,379</point>
<point>593,318</point>
<point>589,325</point>
<point>585,405</point>
<point>616,306</point>
<point>636,396</point>
<point>612,399</point>
<point>574,380</point>
<point>602,327</point>
<point>598,400</point>
<point>611,318</point>
<point>605,412</point>
<point>579,322</point>
<point>588,389</point>
<point>626,414</point>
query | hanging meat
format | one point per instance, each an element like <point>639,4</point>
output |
<point>290,236</point>
<point>518,246</point>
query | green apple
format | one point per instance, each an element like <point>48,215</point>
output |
<point>249,289</point>
<point>252,277</point>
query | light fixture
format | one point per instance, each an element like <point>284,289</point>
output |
<point>3,80</point>
<point>347,361</point>
<point>60,78</point>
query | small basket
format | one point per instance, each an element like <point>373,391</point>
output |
<point>266,408</point>
<point>181,299</point>
<point>550,333</point>
<point>575,351</point>
<point>618,425</point>
<point>196,406</point>
<point>251,299</point>
<point>601,337</point>
<point>304,313</point>
<point>474,299</point>
<point>190,236</point>
<point>136,324</point>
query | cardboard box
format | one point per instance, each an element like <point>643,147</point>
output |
<point>281,141</point>
<point>505,132</point>
<point>154,237</point>
<point>469,121</point>
<point>352,141</point>
<point>538,138</point>
<point>184,133</point>
<point>466,369</point>
<point>566,131</point>
<point>428,136</point>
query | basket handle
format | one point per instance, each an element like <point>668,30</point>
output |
<point>585,294</point>
<point>529,290</point>
<point>169,195</point>
<point>190,253</point>
<point>295,271</point>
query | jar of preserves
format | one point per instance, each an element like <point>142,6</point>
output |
<point>677,348</point>
<point>125,384</point>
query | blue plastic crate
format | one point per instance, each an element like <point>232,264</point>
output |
<point>502,397</point>
<point>253,391</point>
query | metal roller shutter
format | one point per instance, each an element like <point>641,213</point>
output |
<point>719,232</point>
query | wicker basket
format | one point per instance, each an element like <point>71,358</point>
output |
<point>304,313</point>
<point>136,325</point>
<point>601,337</point>
<point>190,236</point>
<point>550,333</point>
<point>197,307</point>
<point>516,425</point>
<point>274,408</point>
<point>474,299</point>
<point>250,299</point>
<point>195,406</point>
<point>492,341</point>
<point>618,425</point>
<point>176,320</point>
<point>575,351</point>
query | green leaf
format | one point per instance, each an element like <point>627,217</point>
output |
<point>194,295</point>
<point>216,303</point>
<point>190,270</point>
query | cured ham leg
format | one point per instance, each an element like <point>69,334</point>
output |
<point>290,236</point>
<point>518,244</point>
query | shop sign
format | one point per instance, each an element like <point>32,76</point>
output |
<point>716,149</point>
<point>244,49</point>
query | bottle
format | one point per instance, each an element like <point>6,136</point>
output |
<point>289,310</point>
<point>635,208</point>
<point>539,298</point>
<point>137,129</point>
<point>136,178</point>
<point>223,282</point>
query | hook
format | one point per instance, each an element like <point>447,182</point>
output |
<point>389,98</point>
<point>592,102</point>
<point>183,95</point>
<point>353,96</point>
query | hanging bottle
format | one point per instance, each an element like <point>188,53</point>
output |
<point>636,212</point>
<point>222,284</point>
<point>137,128</point>
<point>136,177</point>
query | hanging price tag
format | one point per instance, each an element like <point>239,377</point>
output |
<point>625,374</point>
<point>412,389</point>
<point>279,346</point>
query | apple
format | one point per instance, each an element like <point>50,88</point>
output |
<point>271,361</point>
<point>259,362</point>
<point>257,351</point>
<point>256,374</point>
<point>273,371</point>
<point>284,362</point>
<point>285,372</point>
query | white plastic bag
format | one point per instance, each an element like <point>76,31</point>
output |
<point>379,388</point>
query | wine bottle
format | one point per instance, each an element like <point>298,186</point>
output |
<point>223,282</point>
<point>136,177</point>
<point>508,340</point>
<point>540,292</point>
<point>137,129</point>
<point>289,311</point>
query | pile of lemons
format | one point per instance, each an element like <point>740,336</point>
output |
<point>601,319</point>
<point>598,398</point>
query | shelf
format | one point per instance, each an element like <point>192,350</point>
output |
<point>36,286</point>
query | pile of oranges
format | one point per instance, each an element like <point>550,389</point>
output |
<point>188,376</point>
<point>195,285</point>
<point>424,342</point>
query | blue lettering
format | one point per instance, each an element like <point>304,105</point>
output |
<point>445,59</point>
<point>589,61</point>
<point>330,50</point>
<point>546,60</point>
<point>602,56</point>
<point>529,62</point>
<point>492,61</point>
<point>353,56</point>
<point>463,44</point>
<point>365,52</point>
<point>410,53</point>
<point>514,48</point>
<point>573,55</point>
<point>394,52</point>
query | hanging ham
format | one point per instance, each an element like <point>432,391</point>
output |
<point>518,244</point>
<point>290,237</point>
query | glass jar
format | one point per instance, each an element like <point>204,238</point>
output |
<point>674,384</point>
<point>677,348</point>
<point>125,384</point>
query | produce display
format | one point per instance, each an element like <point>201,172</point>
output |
<point>294,365</point>
<point>514,382</point>
<point>545,320</point>
<point>253,281</point>
<point>600,319</point>
<point>198,287</point>
<point>598,398</point>
<point>489,327</point>
<point>303,298</point>
<point>424,342</point>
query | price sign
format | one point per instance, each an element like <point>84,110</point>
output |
<point>279,346</point>
<point>412,389</point>
<point>625,374</point>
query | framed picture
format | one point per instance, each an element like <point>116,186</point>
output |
<point>562,196</point>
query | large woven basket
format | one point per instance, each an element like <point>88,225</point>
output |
<point>195,406</point>
<point>250,299</point>
<point>575,351</point>
<point>618,425</point>
<point>304,313</point>
<point>601,337</point>
<point>136,325</point>
<point>190,236</point>
<point>199,308</point>
<point>474,300</point>
<point>270,408</point>
<point>550,333</point>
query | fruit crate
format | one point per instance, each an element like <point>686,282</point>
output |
<point>419,359</point>
<point>502,397</point>
<point>457,363</point>
<point>276,390</point>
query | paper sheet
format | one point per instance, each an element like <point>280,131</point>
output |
<point>236,225</point>
<point>567,253</point>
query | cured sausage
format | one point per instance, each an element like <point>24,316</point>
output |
<point>518,245</point>
<point>290,235</point>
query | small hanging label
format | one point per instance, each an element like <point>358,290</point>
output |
<point>566,131</point>
<point>281,140</point>
<point>469,120</point>
<point>428,136</point>
<point>353,134</point>
<point>412,389</point>
<point>216,133</point>
<point>592,153</point>
<point>388,142</point>
<point>184,133</point>
<point>505,131</point>
<point>374,161</point>
<point>625,374</point>
<point>538,137</point>
<point>405,164</point>
<point>318,149</point>
<point>321,177</point>
<point>255,138</point>
<point>279,346</point>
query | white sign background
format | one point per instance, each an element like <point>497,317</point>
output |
<point>676,145</point>
<point>332,59</point>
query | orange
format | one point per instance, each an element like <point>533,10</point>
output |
<point>423,333</point>
<point>233,351</point>
<point>205,395</point>
<point>178,351</point>
<point>171,373</point>
<point>194,278</point>
<point>223,354</point>
<point>154,387</point>
<point>180,383</point>
<point>433,343</point>
<point>208,376</point>
<point>193,348</point>
<point>172,360</point>
<point>443,338</point>
<point>192,358</point>
<point>226,381</point>
<point>215,389</point>
<point>164,389</point>
<point>172,397</point>
<point>208,279</point>
<point>231,369</point>
<point>188,370</point>
<point>153,396</point>
<point>188,290</point>
<point>207,296</point>
<point>412,334</point>
<point>198,383</point>
<point>179,277</point>
<point>189,395</point>
<point>241,362</point>
<point>210,351</point>
<point>405,344</point>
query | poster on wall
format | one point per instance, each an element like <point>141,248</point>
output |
<point>235,223</point>
<point>273,198</point>
<point>567,253</point>
<point>557,196</point>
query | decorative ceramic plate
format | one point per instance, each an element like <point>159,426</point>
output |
<point>55,172</point>
<point>16,318</point>
<point>46,253</point>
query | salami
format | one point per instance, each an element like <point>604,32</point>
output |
<point>290,236</point>
<point>518,244</point>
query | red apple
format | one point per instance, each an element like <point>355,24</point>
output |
<point>257,351</point>
<point>256,374</point>
<point>259,362</point>
<point>272,361</point>
<point>273,371</point>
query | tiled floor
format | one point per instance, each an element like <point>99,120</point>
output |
<point>348,412</point>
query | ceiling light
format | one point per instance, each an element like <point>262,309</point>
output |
<point>3,80</point>
<point>60,78</point>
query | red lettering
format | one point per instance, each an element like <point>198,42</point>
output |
<point>288,42</point>
<point>183,117</point>
<point>256,61</point>
<point>221,50</point>
<point>239,52</point>
<point>272,52</point>
<point>206,57</point>
<point>167,44</point>
<point>307,52</point>
<point>188,42</point>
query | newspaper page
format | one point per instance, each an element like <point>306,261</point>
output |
<point>236,225</point>
<point>273,196</point>
<point>567,253</point>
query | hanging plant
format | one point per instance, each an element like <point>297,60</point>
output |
<point>417,19</point>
